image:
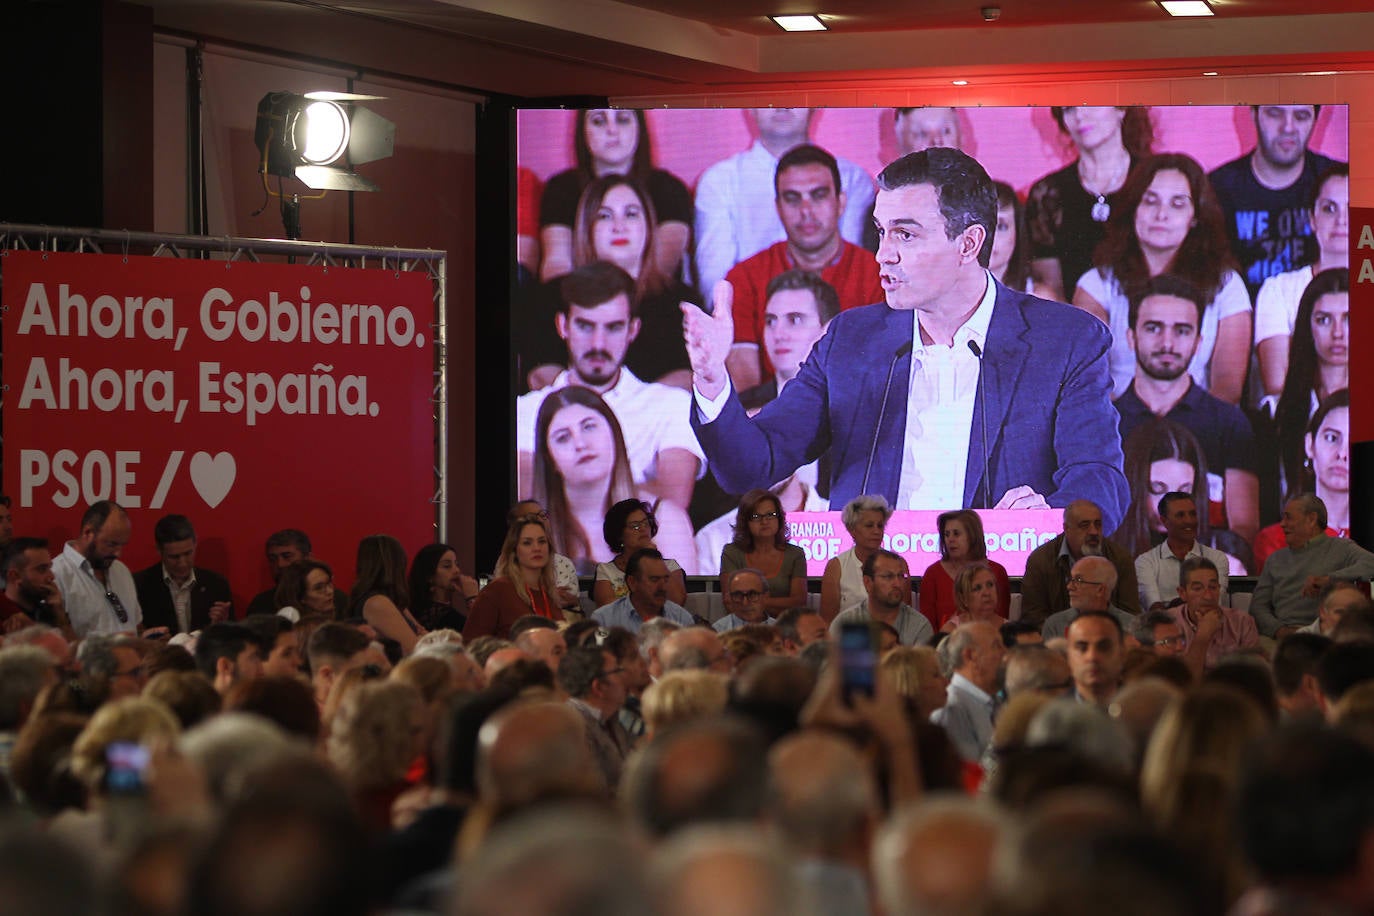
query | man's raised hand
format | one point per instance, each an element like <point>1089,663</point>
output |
<point>709,338</point>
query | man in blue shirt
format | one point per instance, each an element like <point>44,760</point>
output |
<point>647,577</point>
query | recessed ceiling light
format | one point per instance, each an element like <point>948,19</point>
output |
<point>1186,7</point>
<point>960,82</point>
<point>799,23</point>
<point>1210,73</point>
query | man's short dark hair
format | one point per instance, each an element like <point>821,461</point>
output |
<point>580,668</point>
<point>1145,625</point>
<point>595,284</point>
<point>100,512</point>
<point>334,644</point>
<point>1297,654</point>
<point>1120,630</point>
<point>1344,665</point>
<point>1305,804</point>
<point>289,537</point>
<point>172,528</point>
<point>1192,565</point>
<point>621,643</point>
<point>14,553</point>
<point>637,559</point>
<point>826,299</point>
<point>1167,285</point>
<point>222,640</point>
<point>965,193</point>
<point>807,154</point>
<point>1356,624</point>
<point>265,629</point>
<point>522,625</point>
<point>1015,628</point>
<point>871,563</point>
<point>1170,498</point>
<point>786,623</point>
<point>1333,585</point>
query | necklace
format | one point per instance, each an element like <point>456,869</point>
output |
<point>1101,210</point>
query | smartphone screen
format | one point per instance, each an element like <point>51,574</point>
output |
<point>857,659</point>
<point>125,763</point>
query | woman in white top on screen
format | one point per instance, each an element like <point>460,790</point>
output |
<point>1276,306</point>
<point>581,469</point>
<point>632,525</point>
<point>842,585</point>
<point>1169,221</point>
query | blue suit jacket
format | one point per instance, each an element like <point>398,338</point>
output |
<point>1050,420</point>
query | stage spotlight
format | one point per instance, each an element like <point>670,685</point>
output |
<point>319,137</point>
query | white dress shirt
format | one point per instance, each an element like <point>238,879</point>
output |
<point>941,395</point>
<point>84,595</point>
<point>1157,572</point>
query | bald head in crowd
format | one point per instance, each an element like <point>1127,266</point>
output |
<point>693,647</point>
<point>531,751</point>
<point>724,871</point>
<point>1032,668</point>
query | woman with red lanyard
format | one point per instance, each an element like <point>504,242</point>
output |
<point>524,583</point>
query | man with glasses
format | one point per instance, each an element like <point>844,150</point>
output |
<point>595,684</point>
<point>1212,631</point>
<point>97,589</point>
<point>743,598</point>
<point>115,662</point>
<point>1044,588</point>
<point>885,574</point>
<point>647,577</point>
<point>1091,583</point>
<point>1160,634</point>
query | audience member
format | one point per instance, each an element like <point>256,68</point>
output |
<point>1157,569</point>
<point>631,526</point>
<point>885,575</point>
<point>801,627</point>
<point>742,595</point>
<point>1264,192</point>
<point>227,653</point>
<point>761,543</point>
<point>97,589</point>
<point>796,311</point>
<point>976,597</point>
<point>174,593</point>
<point>1092,582</point>
<point>380,594</point>
<point>1160,634</point>
<point>976,651</point>
<point>647,578</point>
<point>440,594</point>
<point>307,586</point>
<point>1045,585</point>
<point>594,683</point>
<point>937,857</point>
<point>693,648</point>
<point>1211,630</point>
<point>281,649</point>
<point>809,205</point>
<point>914,672</point>
<point>188,694</point>
<point>1285,598</point>
<point>334,649</point>
<point>962,543</point>
<point>679,697</point>
<point>735,216</point>
<point>543,643</point>
<point>284,549</point>
<point>1036,669</point>
<point>31,594</point>
<point>1095,655</point>
<point>524,582</point>
<point>114,664</point>
<point>842,585</point>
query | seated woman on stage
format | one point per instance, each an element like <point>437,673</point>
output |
<point>439,592</point>
<point>761,543</point>
<point>961,543</point>
<point>523,584</point>
<point>380,595</point>
<point>631,525</point>
<point>977,597</point>
<point>842,585</point>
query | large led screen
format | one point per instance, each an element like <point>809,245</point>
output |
<point>1169,313</point>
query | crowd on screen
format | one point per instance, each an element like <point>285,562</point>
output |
<point>1226,295</point>
<point>1119,735</point>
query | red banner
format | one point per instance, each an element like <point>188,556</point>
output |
<point>249,397</point>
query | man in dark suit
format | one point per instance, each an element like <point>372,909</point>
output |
<point>955,392</point>
<point>175,593</point>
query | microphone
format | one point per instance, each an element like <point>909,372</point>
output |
<point>903,350</point>
<point>977,352</point>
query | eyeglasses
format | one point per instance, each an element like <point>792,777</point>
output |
<point>640,526</point>
<point>760,516</point>
<point>610,672</point>
<point>1169,641</point>
<point>118,606</point>
<point>1079,580</point>
<point>746,596</point>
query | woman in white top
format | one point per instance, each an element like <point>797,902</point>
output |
<point>842,585</point>
<point>1170,222</point>
<point>631,526</point>
<point>1276,306</point>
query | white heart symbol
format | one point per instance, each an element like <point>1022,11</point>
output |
<point>213,476</point>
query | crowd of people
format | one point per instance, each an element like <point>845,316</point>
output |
<point>1225,294</point>
<point>419,743</point>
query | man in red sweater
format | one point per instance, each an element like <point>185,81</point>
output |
<point>809,202</point>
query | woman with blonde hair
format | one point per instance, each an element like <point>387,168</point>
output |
<point>683,696</point>
<point>524,583</point>
<point>1189,779</point>
<point>977,597</point>
<point>915,673</point>
<point>375,738</point>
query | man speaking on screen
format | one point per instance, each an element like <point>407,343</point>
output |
<point>954,392</point>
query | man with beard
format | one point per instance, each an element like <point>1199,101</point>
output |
<point>597,321</point>
<point>1164,331</point>
<point>31,593</point>
<point>1264,193</point>
<point>1045,586</point>
<point>97,589</point>
<point>885,574</point>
